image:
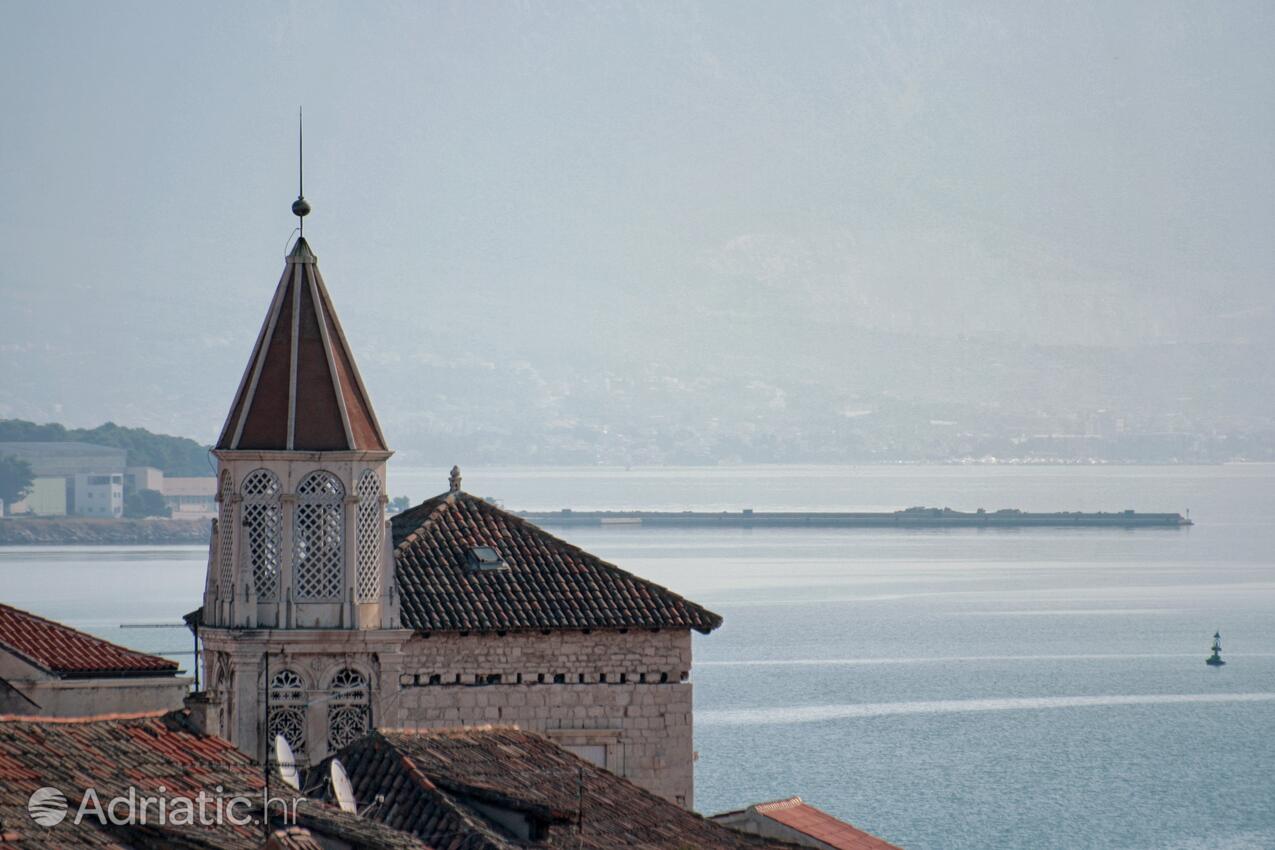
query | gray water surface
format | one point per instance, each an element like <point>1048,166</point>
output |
<point>1030,689</point>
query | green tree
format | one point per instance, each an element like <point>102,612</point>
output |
<point>15,480</point>
<point>140,503</point>
<point>174,455</point>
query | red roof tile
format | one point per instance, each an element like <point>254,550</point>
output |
<point>301,390</point>
<point>150,752</point>
<point>109,756</point>
<point>63,650</point>
<point>546,583</point>
<point>818,824</point>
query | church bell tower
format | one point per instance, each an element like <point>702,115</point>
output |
<point>300,621</point>
<point>300,539</point>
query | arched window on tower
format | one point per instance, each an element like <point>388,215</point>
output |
<point>371,525</point>
<point>287,710</point>
<point>226,535</point>
<point>318,544</point>
<point>262,523</point>
<point>348,714</point>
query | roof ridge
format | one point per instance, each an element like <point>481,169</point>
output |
<point>87,718</point>
<point>439,731</point>
<point>441,501</point>
<point>492,839</point>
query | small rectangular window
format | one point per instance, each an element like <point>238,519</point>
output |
<point>484,558</point>
<point>593,753</point>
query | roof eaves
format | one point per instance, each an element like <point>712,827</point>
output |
<point>168,667</point>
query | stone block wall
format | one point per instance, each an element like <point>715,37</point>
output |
<point>620,698</point>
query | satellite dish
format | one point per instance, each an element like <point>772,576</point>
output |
<point>343,789</point>
<point>287,763</point>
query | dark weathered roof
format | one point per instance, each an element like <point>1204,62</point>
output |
<point>328,821</point>
<point>301,390</point>
<point>443,785</point>
<point>548,583</point>
<point>64,651</point>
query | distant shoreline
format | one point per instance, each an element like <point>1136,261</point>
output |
<point>83,531</point>
<point>903,519</point>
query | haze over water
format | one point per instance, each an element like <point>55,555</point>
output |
<point>1031,689</point>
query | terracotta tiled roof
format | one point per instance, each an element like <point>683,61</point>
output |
<point>63,650</point>
<point>301,390</point>
<point>546,583</point>
<point>147,752</point>
<point>818,824</point>
<point>447,786</point>
<point>110,756</point>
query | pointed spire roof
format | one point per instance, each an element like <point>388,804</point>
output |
<point>301,390</point>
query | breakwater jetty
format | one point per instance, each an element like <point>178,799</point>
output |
<point>85,531</point>
<point>909,518</point>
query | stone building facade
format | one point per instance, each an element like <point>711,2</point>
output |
<point>320,620</point>
<point>620,700</point>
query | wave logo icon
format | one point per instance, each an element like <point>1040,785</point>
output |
<point>47,806</point>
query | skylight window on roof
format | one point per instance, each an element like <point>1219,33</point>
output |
<point>484,558</point>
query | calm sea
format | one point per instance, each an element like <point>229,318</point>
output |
<point>1026,689</point>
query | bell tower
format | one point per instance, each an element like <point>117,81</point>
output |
<point>300,623</point>
<point>300,540</point>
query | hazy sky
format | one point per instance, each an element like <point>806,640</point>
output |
<point>528,177</point>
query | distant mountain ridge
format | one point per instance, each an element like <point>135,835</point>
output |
<point>179,456</point>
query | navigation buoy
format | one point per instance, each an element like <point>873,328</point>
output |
<point>1215,660</point>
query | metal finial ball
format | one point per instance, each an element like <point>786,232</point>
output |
<point>300,207</point>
